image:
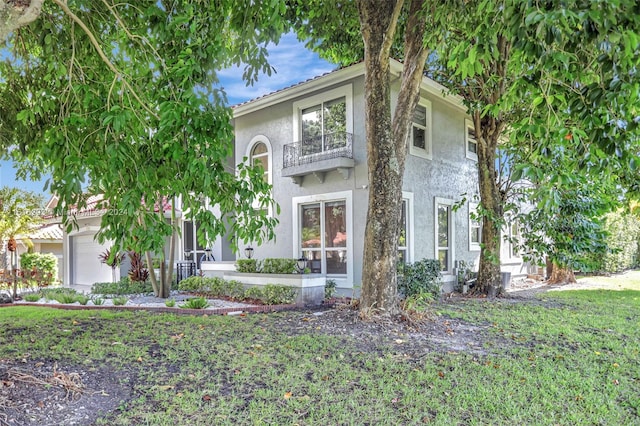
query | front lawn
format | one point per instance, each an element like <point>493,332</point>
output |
<point>568,358</point>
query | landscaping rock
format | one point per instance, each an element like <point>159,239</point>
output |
<point>5,298</point>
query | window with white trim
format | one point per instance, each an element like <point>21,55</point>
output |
<point>420,131</point>
<point>513,237</point>
<point>322,122</point>
<point>259,154</point>
<point>323,236</point>
<point>470,140</point>
<point>260,157</point>
<point>475,227</point>
<point>405,239</point>
<point>444,234</point>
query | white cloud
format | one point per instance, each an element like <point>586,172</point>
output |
<point>292,62</point>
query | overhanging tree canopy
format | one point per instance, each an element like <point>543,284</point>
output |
<point>119,98</point>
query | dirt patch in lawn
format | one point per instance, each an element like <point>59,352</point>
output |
<point>52,393</point>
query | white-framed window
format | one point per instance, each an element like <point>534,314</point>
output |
<point>470,140</point>
<point>259,153</point>
<point>420,143</point>
<point>323,232</point>
<point>405,240</point>
<point>321,122</point>
<point>444,234</point>
<point>511,238</point>
<point>475,228</point>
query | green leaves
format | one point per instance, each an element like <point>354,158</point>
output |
<point>153,130</point>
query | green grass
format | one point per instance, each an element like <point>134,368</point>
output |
<point>571,358</point>
<point>629,280</point>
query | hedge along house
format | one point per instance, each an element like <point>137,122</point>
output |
<point>310,140</point>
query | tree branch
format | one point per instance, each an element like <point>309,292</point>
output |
<point>63,5</point>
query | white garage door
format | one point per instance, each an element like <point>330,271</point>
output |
<point>86,268</point>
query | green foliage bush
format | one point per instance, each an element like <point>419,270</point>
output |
<point>82,299</point>
<point>194,283</point>
<point>623,242</point>
<point>278,266</point>
<point>44,265</point>
<point>212,286</point>
<point>195,303</point>
<point>272,294</point>
<point>330,288</point>
<point>54,293</point>
<point>32,297</point>
<point>119,301</point>
<point>247,265</point>
<point>124,286</point>
<point>421,277</point>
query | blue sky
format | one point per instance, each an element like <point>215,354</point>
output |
<point>293,63</point>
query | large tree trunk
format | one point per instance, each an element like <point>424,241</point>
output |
<point>489,129</point>
<point>489,281</point>
<point>560,275</point>
<point>17,13</point>
<point>386,143</point>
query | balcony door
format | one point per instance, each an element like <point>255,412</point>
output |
<point>324,126</point>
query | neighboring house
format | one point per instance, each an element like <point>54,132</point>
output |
<point>47,238</point>
<point>82,266</point>
<point>310,139</point>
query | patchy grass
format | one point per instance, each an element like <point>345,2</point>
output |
<point>569,358</point>
<point>629,280</point>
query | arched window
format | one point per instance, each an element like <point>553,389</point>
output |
<point>259,153</point>
<point>260,156</point>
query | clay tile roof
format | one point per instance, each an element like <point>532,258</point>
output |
<point>46,232</point>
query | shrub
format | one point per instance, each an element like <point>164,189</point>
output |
<point>97,301</point>
<point>421,277</point>
<point>247,265</point>
<point>54,293</point>
<point>65,297</point>
<point>43,265</point>
<point>32,297</point>
<point>137,268</point>
<point>82,299</point>
<point>272,294</point>
<point>278,294</point>
<point>119,301</point>
<point>196,303</point>
<point>234,289</point>
<point>278,266</point>
<point>254,293</point>
<point>170,303</point>
<point>623,242</point>
<point>329,289</point>
<point>193,283</point>
<point>124,286</point>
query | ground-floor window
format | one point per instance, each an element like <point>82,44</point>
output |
<point>405,238</point>
<point>323,236</point>
<point>444,234</point>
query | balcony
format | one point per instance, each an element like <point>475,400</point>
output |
<point>318,155</point>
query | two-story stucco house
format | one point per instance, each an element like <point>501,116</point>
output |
<point>310,139</point>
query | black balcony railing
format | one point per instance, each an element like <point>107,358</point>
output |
<point>318,148</point>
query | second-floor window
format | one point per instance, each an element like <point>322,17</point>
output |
<point>470,140</point>
<point>323,122</point>
<point>324,126</point>
<point>420,131</point>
